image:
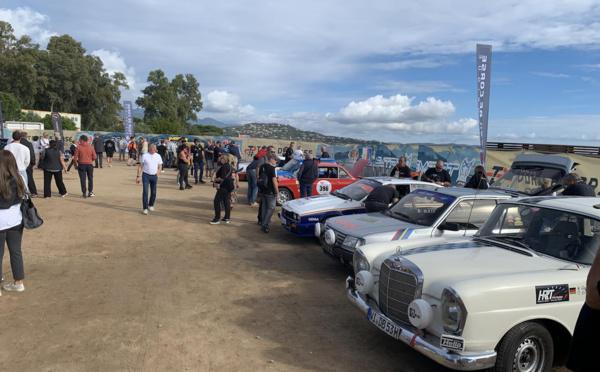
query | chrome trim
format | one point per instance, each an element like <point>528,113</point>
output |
<point>405,273</point>
<point>463,362</point>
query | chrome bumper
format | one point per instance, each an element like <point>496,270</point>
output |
<point>440,355</point>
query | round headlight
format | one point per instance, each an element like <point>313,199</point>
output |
<point>329,237</point>
<point>420,313</point>
<point>318,229</point>
<point>360,262</point>
<point>364,282</point>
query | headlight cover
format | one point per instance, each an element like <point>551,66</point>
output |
<point>454,313</point>
<point>353,242</point>
<point>360,262</point>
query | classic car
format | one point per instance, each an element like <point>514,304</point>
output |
<point>304,216</point>
<point>507,298</point>
<point>447,212</point>
<point>332,176</point>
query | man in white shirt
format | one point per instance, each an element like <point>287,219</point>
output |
<point>150,167</point>
<point>21,154</point>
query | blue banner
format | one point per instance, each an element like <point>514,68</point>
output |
<point>127,119</point>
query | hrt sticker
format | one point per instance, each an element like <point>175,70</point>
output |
<point>546,294</point>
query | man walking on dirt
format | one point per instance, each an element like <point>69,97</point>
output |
<point>99,148</point>
<point>84,158</point>
<point>269,189</point>
<point>149,166</point>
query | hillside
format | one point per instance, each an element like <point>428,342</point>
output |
<point>286,132</point>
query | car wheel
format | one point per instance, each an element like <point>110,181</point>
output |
<point>528,347</point>
<point>284,196</point>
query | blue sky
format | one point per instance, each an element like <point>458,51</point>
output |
<point>381,70</point>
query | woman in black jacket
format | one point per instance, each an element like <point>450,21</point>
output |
<point>53,165</point>
<point>12,191</point>
<point>479,179</point>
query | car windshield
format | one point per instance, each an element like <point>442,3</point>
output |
<point>422,207</point>
<point>531,180</point>
<point>552,232</point>
<point>358,190</point>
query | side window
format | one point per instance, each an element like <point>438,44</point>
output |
<point>342,173</point>
<point>471,214</point>
<point>328,172</point>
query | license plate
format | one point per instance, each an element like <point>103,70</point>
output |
<point>452,343</point>
<point>385,324</point>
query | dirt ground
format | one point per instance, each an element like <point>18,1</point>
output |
<point>109,289</point>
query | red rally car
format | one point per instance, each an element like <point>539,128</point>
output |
<point>332,176</point>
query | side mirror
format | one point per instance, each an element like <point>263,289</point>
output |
<point>449,226</point>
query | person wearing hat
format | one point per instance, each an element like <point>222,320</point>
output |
<point>576,187</point>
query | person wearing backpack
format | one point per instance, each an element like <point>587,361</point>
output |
<point>269,189</point>
<point>307,174</point>
<point>224,182</point>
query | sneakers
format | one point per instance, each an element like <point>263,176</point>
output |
<point>145,211</point>
<point>226,220</point>
<point>13,287</point>
<point>188,186</point>
<point>215,221</point>
<point>64,195</point>
<point>91,195</point>
<point>181,188</point>
<point>84,196</point>
<point>265,229</point>
<point>151,208</point>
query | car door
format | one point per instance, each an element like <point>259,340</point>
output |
<point>324,184</point>
<point>468,215</point>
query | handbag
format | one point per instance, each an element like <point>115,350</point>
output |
<point>31,217</point>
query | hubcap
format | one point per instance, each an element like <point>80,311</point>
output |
<point>283,197</point>
<point>529,356</point>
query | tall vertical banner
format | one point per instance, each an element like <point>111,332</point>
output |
<point>484,74</point>
<point>1,122</point>
<point>127,119</point>
<point>58,129</point>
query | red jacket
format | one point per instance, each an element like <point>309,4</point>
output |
<point>85,154</point>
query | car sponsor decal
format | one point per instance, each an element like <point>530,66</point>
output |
<point>441,247</point>
<point>545,294</point>
<point>323,187</point>
<point>452,343</point>
<point>402,234</point>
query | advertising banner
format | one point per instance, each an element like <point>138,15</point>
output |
<point>57,128</point>
<point>484,73</point>
<point>128,119</point>
<point>1,122</point>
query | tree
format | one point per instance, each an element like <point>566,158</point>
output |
<point>67,124</point>
<point>205,130</point>
<point>11,108</point>
<point>169,105</point>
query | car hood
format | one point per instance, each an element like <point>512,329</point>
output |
<point>477,262</point>
<point>360,225</point>
<point>320,203</point>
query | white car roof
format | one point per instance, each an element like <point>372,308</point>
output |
<point>576,204</point>
<point>400,181</point>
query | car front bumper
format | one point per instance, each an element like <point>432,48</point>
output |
<point>463,362</point>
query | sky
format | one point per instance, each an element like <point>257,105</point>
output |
<point>384,70</point>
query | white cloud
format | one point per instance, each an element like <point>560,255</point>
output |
<point>410,63</point>
<point>227,106</point>
<point>114,62</point>
<point>26,21</point>
<point>552,75</point>
<point>398,109</point>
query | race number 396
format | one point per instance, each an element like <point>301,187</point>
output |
<point>323,187</point>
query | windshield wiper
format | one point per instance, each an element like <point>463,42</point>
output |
<point>402,216</point>
<point>341,195</point>
<point>512,240</point>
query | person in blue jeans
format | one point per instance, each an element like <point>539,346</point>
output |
<point>252,180</point>
<point>307,174</point>
<point>149,167</point>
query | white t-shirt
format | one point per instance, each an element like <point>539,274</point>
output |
<point>21,154</point>
<point>150,163</point>
<point>10,217</point>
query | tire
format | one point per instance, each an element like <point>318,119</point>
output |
<point>526,347</point>
<point>284,196</point>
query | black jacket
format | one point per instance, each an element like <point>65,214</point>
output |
<point>477,182</point>
<point>308,172</point>
<point>4,203</point>
<point>579,189</point>
<point>403,172</point>
<point>25,142</point>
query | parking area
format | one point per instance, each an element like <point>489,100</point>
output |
<point>111,289</point>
